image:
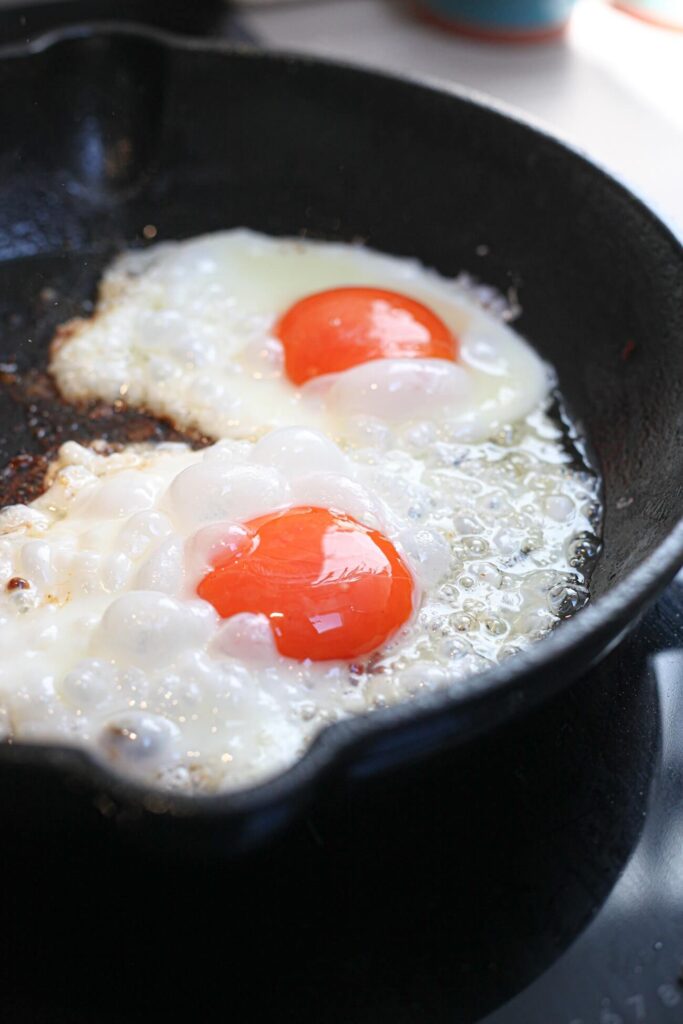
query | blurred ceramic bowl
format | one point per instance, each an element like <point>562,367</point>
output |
<point>500,20</point>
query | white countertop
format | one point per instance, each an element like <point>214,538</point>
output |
<point>613,86</point>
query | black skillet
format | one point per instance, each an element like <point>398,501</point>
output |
<point>106,131</point>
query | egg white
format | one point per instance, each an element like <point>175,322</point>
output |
<point>185,329</point>
<point>107,645</point>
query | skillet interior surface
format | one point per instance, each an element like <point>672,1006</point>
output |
<point>104,133</point>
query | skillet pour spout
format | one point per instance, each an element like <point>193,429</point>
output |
<point>108,130</point>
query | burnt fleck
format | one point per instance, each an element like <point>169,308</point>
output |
<point>17,583</point>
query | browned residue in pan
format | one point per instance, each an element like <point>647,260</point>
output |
<point>21,480</point>
<point>50,421</point>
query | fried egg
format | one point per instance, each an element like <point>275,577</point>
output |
<point>194,618</point>
<point>235,333</point>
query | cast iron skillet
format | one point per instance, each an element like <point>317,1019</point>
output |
<point>105,131</point>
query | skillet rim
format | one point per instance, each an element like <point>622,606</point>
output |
<point>598,627</point>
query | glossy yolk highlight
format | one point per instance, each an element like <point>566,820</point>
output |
<point>330,587</point>
<point>340,328</point>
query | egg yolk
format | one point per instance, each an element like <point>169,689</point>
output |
<point>330,587</point>
<point>340,328</point>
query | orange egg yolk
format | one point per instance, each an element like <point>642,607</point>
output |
<point>330,587</point>
<point>340,328</point>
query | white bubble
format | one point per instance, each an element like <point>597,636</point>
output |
<point>77,454</point>
<point>36,561</point>
<point>534,622</point>
<point>132,682</point>
<point>295,451</point>
<point>467,522</point>
<point>141,530</point>
<point>428,553</point>
<point>369,431</point>
<point>247,637</point>
<point>481,348</point>
<point>117,570</point>
<point>263,356</point>
<point>421,435</point>
<point>506,541</point>
<point>89,685</point>
<point>399,389</point>
<point>208,391</point>
<point>183,340</point>
<point>19,517</point>
<point>205,547</point>
<point>210,492</point>
<point>85,570</point>
<point>137,738</point>
<point>148,629</point>
<point>328,490</point>
<point>122,495</point>
<point>486,572</point>
<point>163,569</point>
<point>559,507</point>
<point>424,675</point>
<point>228,450</point>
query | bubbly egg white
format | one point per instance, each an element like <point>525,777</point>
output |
<point>106,644</point>
<point>185,329</point>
